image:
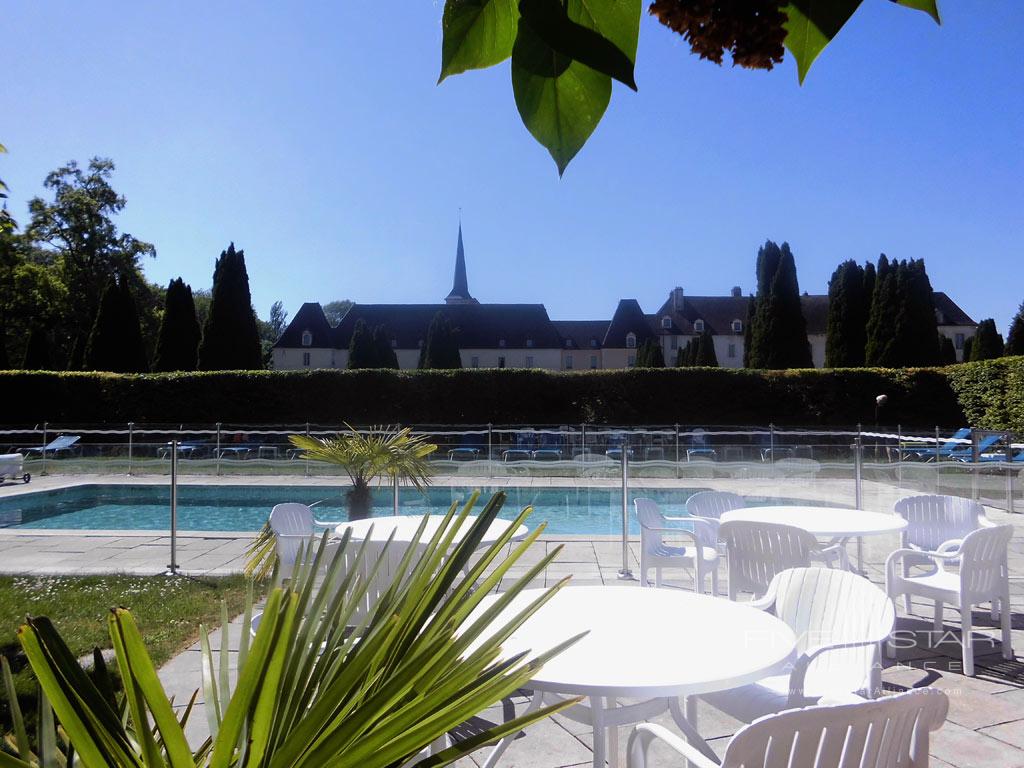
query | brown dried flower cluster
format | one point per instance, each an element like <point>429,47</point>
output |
<point>751,30</point>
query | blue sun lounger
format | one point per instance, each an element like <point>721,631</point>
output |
<point>967,454</point>
<point>951,446</point>
<point>61,444</point>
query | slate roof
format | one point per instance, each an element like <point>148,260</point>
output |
<point>310,317</point>
<point>481,326</point>
<point>628,317</point>
<point>948,312</point>
<point>581,334</point>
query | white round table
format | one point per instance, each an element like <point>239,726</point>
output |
<point>405,527</point>
<point>834,523</point>
<point>655,645</point>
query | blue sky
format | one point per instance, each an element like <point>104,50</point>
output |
<point>315,138</point>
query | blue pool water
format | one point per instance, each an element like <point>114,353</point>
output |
<point>245,508</point>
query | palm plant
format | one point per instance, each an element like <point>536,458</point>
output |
<point>382,451</point>
<point>309,691</point>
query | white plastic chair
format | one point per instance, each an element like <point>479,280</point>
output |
<point>294,527</point>
<point>759,551</point>
<point>840,621</point>
<point>892,732</point>
<point>701,554</point>
<point>711,505</point>
<point>983,577</point>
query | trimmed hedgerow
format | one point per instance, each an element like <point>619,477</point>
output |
<point>991,392</point>
<point>976,393</point>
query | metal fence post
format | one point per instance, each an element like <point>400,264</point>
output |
<point>307,460</point>
<point>395,484</point>
<point>217,450</point>
<point>583,438</point>
<point>45,441</point>
<point>625,573</point>
<point>771,443</point>
<point>1008,442</point>
<point>172,567</point>
<point>490,443</point>
<point>858,464</point>
<point>899,456</point>
<point>938,458</point>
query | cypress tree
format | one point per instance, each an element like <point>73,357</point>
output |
<point>779,336</point>
<point>361,351</point>
<point>4,365</point>
<point>846,332</point>
<point>442,348</point>
<point>37,351</point>
<point>231,339</point>
<point>947,352</point>
<point>748,331</point>
<point>650,355</point>
<point>968,343</point>
<point>384,353</point>
<point>177,345</point>
<point>916,325</point>
<point>882,319</point>
<point>115,342</point>
<point>988,343</point>
<point>1015,338</point>
<point>704,351</point>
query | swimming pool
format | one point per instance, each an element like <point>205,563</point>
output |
<point>245,508</point>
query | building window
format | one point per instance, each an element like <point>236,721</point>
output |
<point>631,362</point>
<point>568,362</point>
<point>307,339</point>
<point>630,340</point>
<point>593,343</point>
<point>568,343</point>
<point>675,342</point>
<point>529,361</point>
<point>666,322</point>
<point>698,326</point>
<point>529,343</point>
<point>501,361</point>
<point>420,343</point>
<point>501,343</point>
<point>394,343</point>
<point>732,350</point>
<point>474,362</point>
<point>958,342</point>
<point>305,359</point>
<point>593,362</point>
<point>737,326</point>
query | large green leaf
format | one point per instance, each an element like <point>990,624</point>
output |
<point>931,7</point>
<point>811,26</point>
<point>550,20</point>
<point>477,34</point>
<point>561,100</point>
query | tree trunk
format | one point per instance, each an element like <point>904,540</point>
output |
<point>360,500</point>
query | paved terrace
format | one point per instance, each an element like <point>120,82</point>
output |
<point>986,719</point>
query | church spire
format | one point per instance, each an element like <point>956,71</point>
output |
<point>460,285</point>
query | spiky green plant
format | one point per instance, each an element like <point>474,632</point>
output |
<point>311,690</point>
<point>378,452</point>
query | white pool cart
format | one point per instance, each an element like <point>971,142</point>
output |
<point>12,467</point>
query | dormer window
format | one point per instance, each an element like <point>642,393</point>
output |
<point>593,343</point>
<point>737,326</point>
<point>698,326</point>
<point>394,343</point>
<point>568,343</point>
<point>666,322</point>
<point>501,343</point>
<point>630,340</point>
<point>529,343</point>
<point>307,339</point>
<point>420,343</point>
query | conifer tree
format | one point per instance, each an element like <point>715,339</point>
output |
<point>115,342</point>
<point>779,336</point>
<point>916,325</point>
<point>987,343</point>
<point>361,351</point>
<point>37,351</point>
<point>704,351</point>
<point>177,346</point>
<point>748,332</point>
<point>968,343</point>
<point>650,355</point>
<point>1015,338</point>
<point>231,339</point>
<point>442,347</point>
<point>947,352</point>
<point>384,353</point>
<point>882,319</point>
<point>846,332</point>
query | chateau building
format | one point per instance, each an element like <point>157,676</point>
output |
<point>523,336</point>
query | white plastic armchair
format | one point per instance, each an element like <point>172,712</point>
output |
<point>892,732</point>
<point>983,576</point>
<point>699,554</point>
<point>294,526</point>
<point>759,551</point>
<point>711,505</point>
<point>937,522</point>
<point>840,621</point>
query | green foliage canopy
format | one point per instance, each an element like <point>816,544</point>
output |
<point>988,342</point>
<point>177,346</point>
<point>230,337</point>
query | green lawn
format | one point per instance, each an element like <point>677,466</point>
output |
<point>168,611</point>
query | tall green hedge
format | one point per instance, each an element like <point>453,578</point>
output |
<point>988,394</point>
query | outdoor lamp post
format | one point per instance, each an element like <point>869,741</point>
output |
<point>880,402</point>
